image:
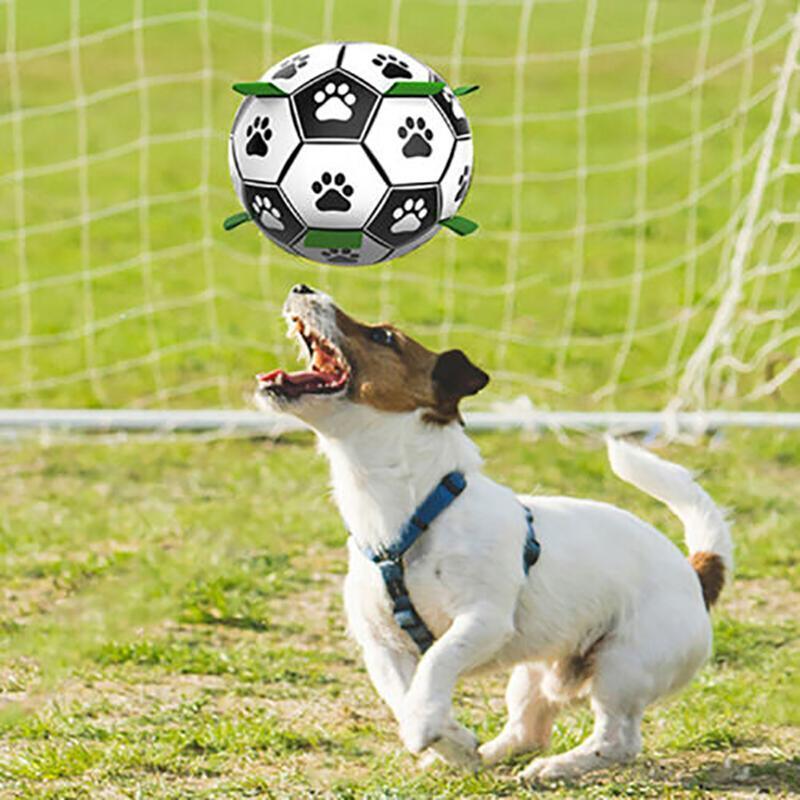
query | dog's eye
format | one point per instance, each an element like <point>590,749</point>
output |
<point>382,336</point>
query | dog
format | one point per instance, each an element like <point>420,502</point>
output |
<point>611,611</point>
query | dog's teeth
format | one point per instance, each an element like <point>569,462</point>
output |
<point>278,379</point>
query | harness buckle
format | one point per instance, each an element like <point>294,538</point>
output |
<point>392,574</point>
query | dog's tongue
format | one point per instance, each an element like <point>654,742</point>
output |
<point>295,382</point>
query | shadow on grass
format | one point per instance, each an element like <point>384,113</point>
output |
<point>657,777</point>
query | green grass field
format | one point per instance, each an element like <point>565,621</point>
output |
<point>172,627</point>
<point>119,288</point>
<point>170,619</point>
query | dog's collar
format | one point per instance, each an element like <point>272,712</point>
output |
<point>390,559</point>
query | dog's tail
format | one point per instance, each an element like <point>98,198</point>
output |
<point>705,529</point>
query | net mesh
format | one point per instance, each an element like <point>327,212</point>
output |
<point>637,184</point>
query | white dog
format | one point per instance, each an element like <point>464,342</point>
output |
<point>610,610</point>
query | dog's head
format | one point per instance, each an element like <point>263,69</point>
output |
<point>351,362</point>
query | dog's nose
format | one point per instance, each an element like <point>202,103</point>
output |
<point>301,288</point>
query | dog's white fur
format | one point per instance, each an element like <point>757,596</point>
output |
<point>609,593</point>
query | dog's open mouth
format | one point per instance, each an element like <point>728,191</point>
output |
<point>327,373</point>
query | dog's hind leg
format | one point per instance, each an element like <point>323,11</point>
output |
<point>620,688</point>
<point>530,716</point>
<point>616,739</point>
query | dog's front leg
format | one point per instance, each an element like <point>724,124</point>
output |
<point>391,672</point>
<point>473,638</point>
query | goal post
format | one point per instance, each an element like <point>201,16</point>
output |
<point>637,185</point>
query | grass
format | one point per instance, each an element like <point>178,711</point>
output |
<point>170,620</point>
<point>118,286</point>
<point>171,627</point>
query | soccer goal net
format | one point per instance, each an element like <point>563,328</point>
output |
<point>637,184</point>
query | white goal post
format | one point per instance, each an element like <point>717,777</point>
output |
<point>637,182</point>
<point>258,423</point>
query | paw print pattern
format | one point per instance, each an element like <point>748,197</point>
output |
<point>463,185</point>
<point>391,66</point>
<point>258,134</point>
<point>274,217</point>
<point>417,136</point>
<point>268,214</point>
<point>408,216</point>
<point>334,105</point>
<point>455,106</point>
<point>334,102</point>
<point>291,66</point>
<point>453,111</point>
<point>333,191</point>
<point>405,215</point>
<point>340,255</point>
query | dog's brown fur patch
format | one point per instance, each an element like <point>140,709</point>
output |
<point>401,376</point>
<point>711,571</point>
<point>573,672</point>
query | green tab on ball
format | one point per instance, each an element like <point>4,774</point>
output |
<point>258,89</point>
<point>460,225</point>
<point>415,89</point>
<point>323,238</point>
<point>235,220</point>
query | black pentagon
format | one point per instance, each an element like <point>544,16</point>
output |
<point>273,215</point>
<point>334,106</point>
<point>405,214</point>
<point>444,100</point>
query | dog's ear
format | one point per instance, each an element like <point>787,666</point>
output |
<point>454,377</point>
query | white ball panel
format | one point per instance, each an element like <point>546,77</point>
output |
<point>299,68</point>
<point>264,136</point>
<point>333,185</point>
<point>382,66</point>
<point>410,139</point>
<point>456,181</point>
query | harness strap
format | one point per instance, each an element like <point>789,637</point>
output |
<point>437,501</point>
<point>389,560</point>
<point>532,551</point>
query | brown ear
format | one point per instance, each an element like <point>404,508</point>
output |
<point>455,376</point>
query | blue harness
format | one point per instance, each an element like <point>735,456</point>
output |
<point>390,559</point>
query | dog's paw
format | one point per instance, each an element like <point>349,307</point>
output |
<point>498,749</point>
<point>562,767</point>
<point>442,738</point>
<point>458,746</point>
<point>419,733</point>
<point>540,770</point>
<point>430,758</point>
<point>505,745</point>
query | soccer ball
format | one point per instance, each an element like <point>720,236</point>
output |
<point>344,164</point>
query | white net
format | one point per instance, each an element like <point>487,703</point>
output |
<point>637,185</point>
